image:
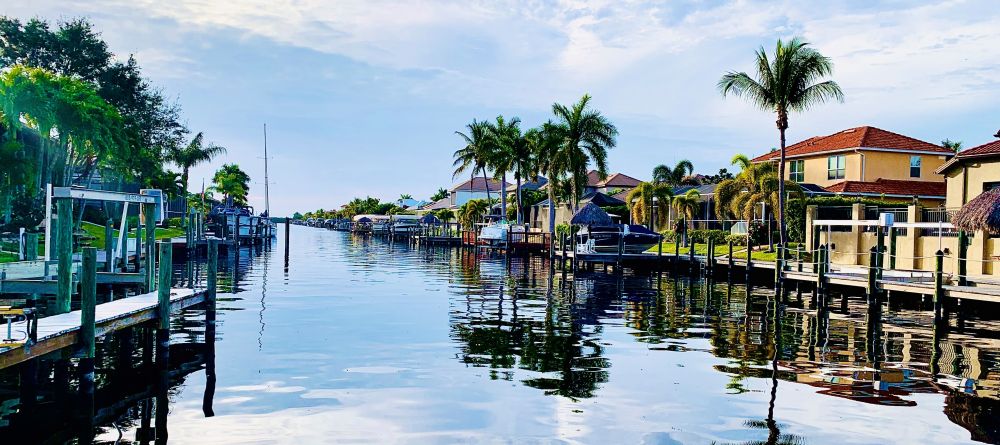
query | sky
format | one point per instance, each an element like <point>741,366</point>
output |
<point>362,98</point>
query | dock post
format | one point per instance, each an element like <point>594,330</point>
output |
<point>64,244</point>
<point>109,243</point>
<point>872,287</point>
<point>892,248</point>
<point>711,256</point>
<point>150,235</point>
<point>821,268</point>
<point>210,302</point>
<point>621,249</point>
<point>562,247</point>
<point>288,230</point>
<point>938,289</point>
<point>963,254</point>
<point>31,246</point>
<point>659,255</point>
<point>749,265</point>
<point>88,330</point>
<point>691,246</point>
<point>778,269</point>
<point>798,257</point>
<point>731,264</point>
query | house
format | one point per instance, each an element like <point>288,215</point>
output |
<point>971,172</point>
<point>528,185</point>
<point>539,213</point>
<point>867,161</point>
<point>475,188</point>
<point>615,182</point>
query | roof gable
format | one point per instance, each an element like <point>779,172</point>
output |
<point>855,138</point>
<point>478,184</point>
<point>989,149</point>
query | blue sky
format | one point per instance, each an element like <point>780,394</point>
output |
<point>362,97</point>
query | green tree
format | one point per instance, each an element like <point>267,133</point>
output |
<point>952,145</point>
<point>785,82</point>
<point>473,211</point>
<point>475,155</point>
<point>233,183</point>
<point>548,150</point>
<point>194,153</point>
<point>754,185</point>
<point>643,199</point>
<point>681,174</point>
<point>586,136</point>
<point>505,153</point>
<point>686,205</point>
<point>440,194</point>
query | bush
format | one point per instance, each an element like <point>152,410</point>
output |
<point>757,232</point>
<point>669,236</point>
<point>172,222</point>
<point>738,240</point>
<point>702,236</point>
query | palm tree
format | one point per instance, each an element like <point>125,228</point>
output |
<point>440,194</point>
<point>686,205</point>
<point>643,199</point>
<point>474,156</point>
<point>681,174</point>
<point>523,165</point>
<point>472,211</point>
<point>504,136</point>
<point>587,136</point>
<point>232,182</point>
<point>783,85</point>
<point>755,184</point>
<point>547,148</point>
<point>952,145</point>
<point>194,153</point>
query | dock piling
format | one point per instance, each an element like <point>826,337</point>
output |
<point>938,289</point>
<point>150,236</point>
<point>64,246</point>
<point>109,243</point>
<point>872,288</point>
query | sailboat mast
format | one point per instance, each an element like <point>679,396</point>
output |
<point>267,182</point>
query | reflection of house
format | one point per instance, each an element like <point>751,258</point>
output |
<point>972,172</point>
<point>866,161</point>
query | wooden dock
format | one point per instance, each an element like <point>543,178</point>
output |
<point>63,330</point>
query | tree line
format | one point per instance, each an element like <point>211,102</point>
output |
<point>70,113</point>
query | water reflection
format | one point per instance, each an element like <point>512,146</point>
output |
<point>364,340</point>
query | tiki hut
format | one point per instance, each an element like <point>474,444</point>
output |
<point>591,215</point>
<point>981,213</point>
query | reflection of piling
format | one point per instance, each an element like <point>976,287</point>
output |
<point>288,229</point>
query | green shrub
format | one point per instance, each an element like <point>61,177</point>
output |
<point>702,236</point>
<point>172,222</point>
<point>669,236</point>
<point>739,240</point>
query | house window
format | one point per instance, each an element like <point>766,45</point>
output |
<point>836,167</point>
<point>914,166</point>
<point>797,173</point>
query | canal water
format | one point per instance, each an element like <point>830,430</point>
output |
<point>359,340</point>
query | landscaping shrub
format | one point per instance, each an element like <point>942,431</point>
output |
<point>739,240</point>
<point>701,236</point>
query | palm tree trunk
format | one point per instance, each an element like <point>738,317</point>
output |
<point>520,217</point>
<point>552,206</point>
<point>486,182</point>
<point>781,190</point>
<point>503,195</point>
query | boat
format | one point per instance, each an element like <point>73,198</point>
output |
<point>375,224</point>
<point>495,233</point>
<point>405,224</point>
<point>604,239</point>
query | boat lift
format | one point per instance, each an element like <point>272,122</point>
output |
<point>146,196</point>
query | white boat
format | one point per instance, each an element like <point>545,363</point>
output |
<point>405,224</point>
<point>495,234</point>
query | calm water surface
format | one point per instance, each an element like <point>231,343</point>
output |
<point>358,340</point>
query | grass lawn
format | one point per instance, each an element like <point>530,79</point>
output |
<point>722,250</point>
<point>97,232</point>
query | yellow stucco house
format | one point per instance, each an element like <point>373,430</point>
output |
<point>972,172</point>
<point>868,161</point>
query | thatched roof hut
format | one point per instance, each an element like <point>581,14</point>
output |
<point>981,213</point>
<point>591,215</point>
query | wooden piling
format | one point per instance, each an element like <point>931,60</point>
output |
<point>779,267</point>
<point>31,246</point>
<point>150,235</point>
<point>872,288</point>
<point>938,288</point>
<point>821,254</point>
<point>88,332</point>
<point>963,254</point>
<point>288,231</point>
<point>109,244</point>
<point>694,265</point>
<point>729,270</point>
<point>164,283</point>
<point>562,259</point>
<point>892,248</point>
<point>710,256</point>
<point>64,246</point>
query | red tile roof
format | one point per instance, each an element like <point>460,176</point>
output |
<point>859,137</point>
<point>889,187</point>
<point>477,184</point>
<point>619,180</point>
<point>988,149</point>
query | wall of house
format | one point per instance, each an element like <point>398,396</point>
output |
<point>460,197</point>
<point>891,165</point>
<point>976,173</point>
<point>816,170</point>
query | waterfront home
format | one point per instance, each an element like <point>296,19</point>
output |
<point>539,214</point>
<point>463,192</point>
<point>528,185</point>
<point>867,162</point>
<point>972,172</point>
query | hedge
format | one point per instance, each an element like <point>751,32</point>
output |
<point>795,210</point>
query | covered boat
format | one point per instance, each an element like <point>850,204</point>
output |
<point>604,238</point>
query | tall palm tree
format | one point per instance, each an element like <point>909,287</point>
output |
<point>548,150</point>
<point>643,199</point>
<point>504,136</point>
<point>474,156</point>
<point>681,174</point>
<point>524,166</point>
<point>194,153</point>
<point>754,185</point>
<point>587,136</point>
<point>783,85</point>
